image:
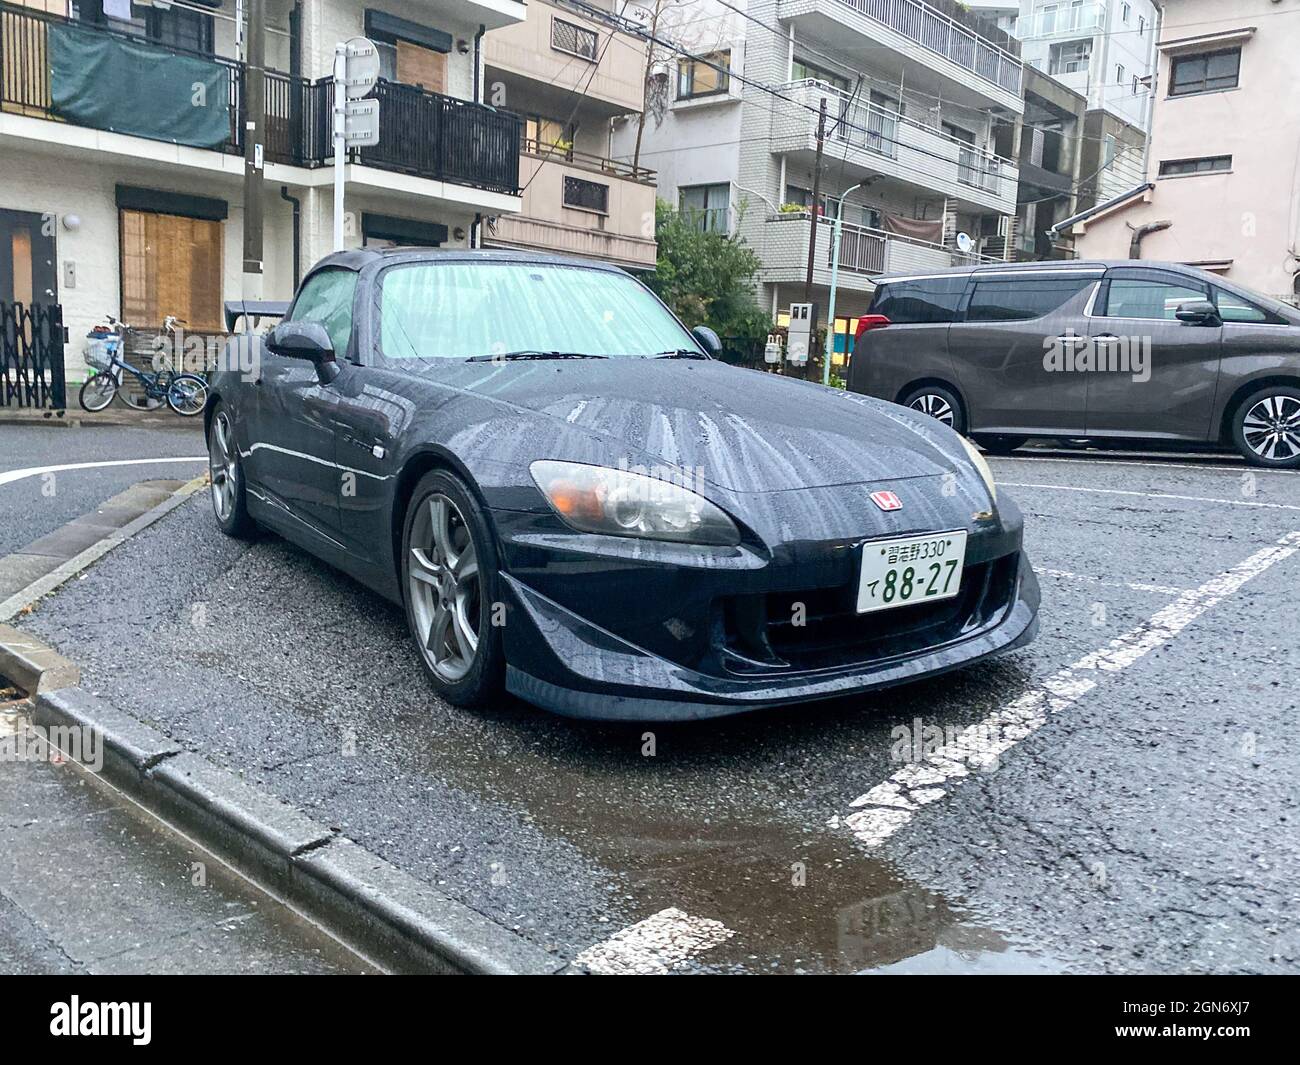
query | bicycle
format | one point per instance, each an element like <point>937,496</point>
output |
<point>185,393</point>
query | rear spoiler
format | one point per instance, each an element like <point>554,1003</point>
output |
<point>251,310</point>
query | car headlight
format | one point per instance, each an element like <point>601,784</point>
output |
<point>599,499</point>
<point>981,464</point>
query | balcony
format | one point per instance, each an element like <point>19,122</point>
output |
<point>970,53</point>
<point>558,48</point>
<point>865,253</point>
<point>1064,22</point>
<point>66,72</point>
<point>879,141</point>
<point>583,205</point>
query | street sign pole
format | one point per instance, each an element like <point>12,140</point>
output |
<point>837,235</point>
<point>356,121</point>
<point>340,137</point>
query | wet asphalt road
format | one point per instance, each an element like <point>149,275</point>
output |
<point>1149,826</point>
<point>36,505</point>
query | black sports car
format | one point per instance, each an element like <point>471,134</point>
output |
<point>571,498</point>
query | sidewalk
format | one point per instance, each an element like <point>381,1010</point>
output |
<point>74,417</point>
<point>91,884</point>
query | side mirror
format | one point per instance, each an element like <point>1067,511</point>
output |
<point>708,340</point>
<point>305,340</point>
<point>1198,312</point>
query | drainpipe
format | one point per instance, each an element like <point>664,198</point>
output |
<point>478,63</point>
<point>1135,243</point>
<point>297,233</point>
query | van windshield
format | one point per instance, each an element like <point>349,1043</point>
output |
<point>462,309</point>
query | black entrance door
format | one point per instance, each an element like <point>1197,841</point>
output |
<point>28,260</point>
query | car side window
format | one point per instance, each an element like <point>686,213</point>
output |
<point>1022,300</point>
<point>1151,298</point>
<point>1235,309</point>
<point>927,300</point>
<point>327,298</point>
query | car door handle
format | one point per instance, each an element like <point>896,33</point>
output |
<point>1105,336</point>
<point>1071,339</point>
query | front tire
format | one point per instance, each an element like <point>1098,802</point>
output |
<point>449,584</point>
<point>97,392</point>
<point>229,502</point>
<point>1266,428</point>
<point>939,403</point>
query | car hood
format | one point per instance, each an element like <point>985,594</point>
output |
<point>741,430</point>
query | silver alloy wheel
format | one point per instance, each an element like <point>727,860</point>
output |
<point>1271,428</point>
<point>224,466</point>
<point>935,406</point>
<point>444,586</point>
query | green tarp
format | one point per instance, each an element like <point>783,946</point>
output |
<point>124,86</point>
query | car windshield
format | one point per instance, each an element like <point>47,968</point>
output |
<point>462,309</point>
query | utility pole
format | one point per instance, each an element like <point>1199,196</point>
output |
<point>254,124</point>
<point>816,203</point>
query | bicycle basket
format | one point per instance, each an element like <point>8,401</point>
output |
<point>99,352</point>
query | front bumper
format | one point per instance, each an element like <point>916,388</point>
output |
<point>566,663</point>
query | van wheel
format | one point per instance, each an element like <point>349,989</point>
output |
<point>1266,428</point>
<point>939,403</point>
<point>1000,445</point>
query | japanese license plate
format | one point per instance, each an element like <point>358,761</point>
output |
<point>910,569</point>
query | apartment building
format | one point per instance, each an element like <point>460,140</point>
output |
<point>1105,51</point>
<point>569,74</point>
<point>121,147</point>
<point>1221,190</point>
<point>922,100</point>
<point>1051,154</point>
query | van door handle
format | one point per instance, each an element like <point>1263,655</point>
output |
<point>1105,336</point>
<point>1071,339</point>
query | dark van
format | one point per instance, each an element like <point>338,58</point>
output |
<point>1127,349</point>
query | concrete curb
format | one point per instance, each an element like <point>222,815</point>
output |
<point>42,586</point>
<point>388,915</point>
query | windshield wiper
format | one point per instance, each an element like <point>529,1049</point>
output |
<point>680,353</point>
<point>511,356</point>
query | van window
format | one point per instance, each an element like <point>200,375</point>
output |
<point>1156,298</point>
<point>1021,300</point>
<point>1235,309</point>
<point>929,300</point>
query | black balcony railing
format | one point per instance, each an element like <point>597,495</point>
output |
<point>422,133</point>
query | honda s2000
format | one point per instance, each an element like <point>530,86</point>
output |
<point>572,499</point>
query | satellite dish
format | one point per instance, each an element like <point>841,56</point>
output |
<point>964,243</point>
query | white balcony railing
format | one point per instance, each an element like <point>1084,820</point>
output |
<point>944,35</point>
<point>904,148</point>
<point>1062,22</point>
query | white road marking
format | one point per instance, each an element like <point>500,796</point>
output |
<point>890,806</point>
<point>653,946</point>
<point>1065,575</point>
<point>10,476</point>
<point>1152,495</point>
<point>1090,461</point>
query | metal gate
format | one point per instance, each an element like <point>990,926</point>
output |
<point>31,356</point>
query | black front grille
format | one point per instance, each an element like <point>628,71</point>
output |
<point>761,635</point>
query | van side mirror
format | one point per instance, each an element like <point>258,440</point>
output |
<point>1198,312</point>
<point>708,340</point>
<point>305,340</point>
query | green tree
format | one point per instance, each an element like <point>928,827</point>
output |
<point>707,279</point>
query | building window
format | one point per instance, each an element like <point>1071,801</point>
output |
<point>1071,57</point>
<point>1135,84</point>
<point>1215,164</point>
<point>1125,11</point>
<point>173,26</point>
<point>171,264</point>
<point>802,70</point>
<point>705,76</point>
<point>1119,74</point>
<point>1142,27</point>
<point>547,136</point>
<point>707,207</point>
<point>1207,72</point>
<point>586,195</point>
<point>576,40</point>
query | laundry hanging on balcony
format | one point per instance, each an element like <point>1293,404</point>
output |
<point>124,86</point>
